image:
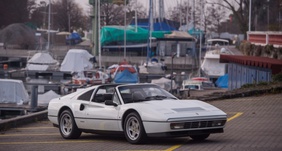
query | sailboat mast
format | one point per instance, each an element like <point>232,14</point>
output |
<point>187,13</point>
<point>193,13</point>
<point>151,23</point>
<point>161,10</point>
<point>180,12</point>
<point>136,21</point>
<point>49,26</point>
<point>150,29</point>
<point>124,51</point>
<point>99,29</point>
<point>95,29</point>
<point>201,23</point>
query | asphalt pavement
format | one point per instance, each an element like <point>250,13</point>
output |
<point>254,124</point>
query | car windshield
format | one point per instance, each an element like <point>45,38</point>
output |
<point>138,93</point>
<point>192,87</point>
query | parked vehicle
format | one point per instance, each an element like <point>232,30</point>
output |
<point>197,83</point>
<point>13,92</point>
<point>211,66</point>
<point>137,111</point>
<point>123,73</point>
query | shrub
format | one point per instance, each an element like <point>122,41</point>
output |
<point>277,77</point>
<point>248,85</point>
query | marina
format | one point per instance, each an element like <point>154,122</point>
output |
<point>168,68</point>
<point>55,80</point>
<point>169,53</point>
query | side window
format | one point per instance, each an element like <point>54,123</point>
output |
<point>115,98</point>
<point>103,93</point>
<point>86,96</point>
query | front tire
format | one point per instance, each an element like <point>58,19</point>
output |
<point>200,137</point>
<point>134,129</point>
<point>67,126</point>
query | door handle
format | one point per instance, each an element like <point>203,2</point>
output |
<point>82,106</point>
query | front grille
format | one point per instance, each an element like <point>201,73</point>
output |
<point>202,124</point>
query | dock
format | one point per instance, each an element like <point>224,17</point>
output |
<point>8,110</point>
<point>183,62</point>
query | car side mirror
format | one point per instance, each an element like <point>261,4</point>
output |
<point>111,103</point>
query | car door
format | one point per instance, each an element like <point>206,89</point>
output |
<point>79,108</point>
<point>99,116</point>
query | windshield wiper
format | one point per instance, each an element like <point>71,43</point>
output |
<point>157,97</point>
<point>172,98</point>
<point>140,100</point>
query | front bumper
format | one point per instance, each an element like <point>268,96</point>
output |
<point>186,133</point>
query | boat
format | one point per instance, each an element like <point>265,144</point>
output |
<point>154,66</point>
<point>197,83</point>
<point>78,63</point>
<point>123,73</point>
<point>211,66</point>
<point>42,61</point>
<point>13,91</point>
<point>165,83</point>
<point>92,77</point>
<point>77,60</point>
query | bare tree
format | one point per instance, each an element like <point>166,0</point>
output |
<point>215,16</point>
<point>39,15</point>
<point>264,13</point>
<point>112,14</point>
<point>15,11</point>
<point>68,14</point>
<point>135,6</point>
<point>183,13</point>
<point>65,15</point>
<point>179,13</point>
<point>240,10</point>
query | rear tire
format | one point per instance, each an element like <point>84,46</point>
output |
<point>134,129</point>
<point>67,126</point>
<point>200,137</point>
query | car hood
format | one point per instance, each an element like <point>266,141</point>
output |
<point>181,109</point>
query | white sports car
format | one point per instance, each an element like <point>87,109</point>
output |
<point>134,110</point>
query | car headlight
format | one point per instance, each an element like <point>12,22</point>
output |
<point>177,125</point>
<point>218,123</point>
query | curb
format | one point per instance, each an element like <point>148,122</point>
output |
<point>240,93</point>
<point>21,120</point>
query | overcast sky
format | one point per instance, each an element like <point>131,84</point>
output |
<point>168,3</point>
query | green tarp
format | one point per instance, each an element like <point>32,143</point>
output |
<point>111,35</point>
<point>195,31</point>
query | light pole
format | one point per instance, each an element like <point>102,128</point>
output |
<point>250,14</point>
<point>68,10</point>
<point>267,14</point>
<point>43,3</point>
<point>266,8</point>
<point>200,51</point>
<point>171,74</point>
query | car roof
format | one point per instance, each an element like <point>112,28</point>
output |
<point>118,84</point>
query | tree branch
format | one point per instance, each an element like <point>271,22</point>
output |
<point>219,5</point>
<point>238,2</point>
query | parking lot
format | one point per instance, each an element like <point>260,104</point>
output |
<point>254,124</point>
